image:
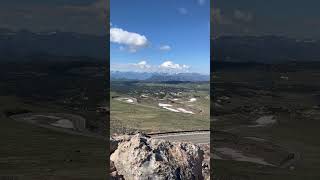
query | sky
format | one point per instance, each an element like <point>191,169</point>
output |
<point>294,18</point>
<point>81,16</point>
<point>171,36</point>
<point>290,18</point>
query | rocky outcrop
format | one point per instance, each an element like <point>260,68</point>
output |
<point>141,157</point>
<point>206,161</point>
<point>114,173</point>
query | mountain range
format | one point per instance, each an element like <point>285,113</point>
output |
<point>261,49</point>
<point>158,77</point>
<point>25,43</point>
<point>264,49</point>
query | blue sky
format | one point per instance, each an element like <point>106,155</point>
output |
<point>292,18</point>
<point>166,35</point>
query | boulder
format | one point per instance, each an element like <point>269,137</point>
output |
<point>114,141</point>
<point>141,157</point>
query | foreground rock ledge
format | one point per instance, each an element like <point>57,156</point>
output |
<point>141,157</point>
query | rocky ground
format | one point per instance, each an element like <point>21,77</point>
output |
<point>142,157</point>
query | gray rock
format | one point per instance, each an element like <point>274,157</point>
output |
<point>141,157</point>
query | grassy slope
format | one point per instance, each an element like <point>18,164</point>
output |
<point>150,118</point>
<point>302,140</point>
<point>38,153</point>
<point>299,134</point>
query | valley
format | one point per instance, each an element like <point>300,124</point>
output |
<point>265,121</point>
<point>52,125</point>
<point>159,106</point>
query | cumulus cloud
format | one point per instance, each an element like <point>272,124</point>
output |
<point>171,66</point>
<point>235,18</point>
<point>141,66</point>
<point>165,48</point>
<point>144,66</point>
<point>183,11</point>
<point>133,41</point>
<point>243,16</point>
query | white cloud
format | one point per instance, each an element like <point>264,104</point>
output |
<point>144,66</point>
<point>133,41</point>
<point>237,17</point>
<point>183,11</point>
<point>133,49</point>
<point>171,66</point>
<point>201,2</point>
<point>185,66</point>
<point>243,16</point>
<point>141,66</point>
<point>165,48</point>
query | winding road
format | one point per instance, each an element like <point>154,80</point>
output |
<point>201,137</point>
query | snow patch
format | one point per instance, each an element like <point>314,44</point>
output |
<point>64,123</point>
<point>192,100</point>
<point>171,109</point>
<point>185,111</point>
<point>224,97</point>
<point>164,105</point>
<point>127,100</point>
<point>266,120</point>
<point>144,96</point>
<point>238,156</point>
